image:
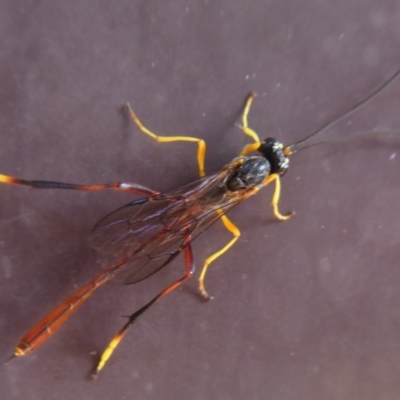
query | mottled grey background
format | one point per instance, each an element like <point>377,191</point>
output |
<point>308,309</point>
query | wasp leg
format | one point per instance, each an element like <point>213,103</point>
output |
<point>275,197</point>
<point>189,271</point>
<point>236,233</point>
<point>119,186</point>
<point>247,130</point>
<point>201,152</point>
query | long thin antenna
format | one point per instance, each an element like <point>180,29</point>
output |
<point>293,148</point>
<point>348,139</point>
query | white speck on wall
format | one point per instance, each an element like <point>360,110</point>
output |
<point>247,77</point>
<point>392,156</point>
<point>341,36</point>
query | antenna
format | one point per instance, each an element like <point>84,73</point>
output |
<point>302,144</point>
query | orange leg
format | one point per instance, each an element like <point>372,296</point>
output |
<point>120,186</point>
<point>247,130</point>
<point>189,270</point>
<point>232,228</point>
<point>275,197</point>
<point>201,152</point>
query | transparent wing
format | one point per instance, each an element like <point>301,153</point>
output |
<point>150,232</point>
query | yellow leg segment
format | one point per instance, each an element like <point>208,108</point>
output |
<point>275,197</point>
<point>6,179</point>
<point>201,152</point>
<point>236,233</point>
<point>247,130</point>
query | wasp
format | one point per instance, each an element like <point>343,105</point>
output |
<point>144,236</point>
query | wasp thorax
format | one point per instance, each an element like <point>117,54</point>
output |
<point>250,174</point>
